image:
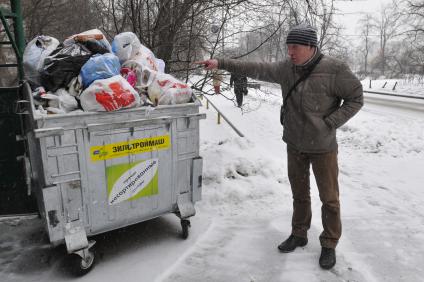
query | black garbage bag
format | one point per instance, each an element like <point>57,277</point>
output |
<point>63,65</point>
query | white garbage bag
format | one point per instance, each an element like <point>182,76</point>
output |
<point>161,65</point>
<point>167,90</point>
<point>145,75</point>
<point>35,53</point>
<point>60,102</point>
<point>126,46</point>
<point>109,94</point>
<point>143,59</point>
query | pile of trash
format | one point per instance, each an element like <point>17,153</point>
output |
<point>86,72</point>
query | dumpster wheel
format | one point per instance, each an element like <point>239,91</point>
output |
<point>81,265</point>
<point>185,224</point>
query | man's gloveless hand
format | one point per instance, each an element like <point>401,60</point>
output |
<point>210,64</point>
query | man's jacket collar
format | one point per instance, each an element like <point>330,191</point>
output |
<point>305,66</point>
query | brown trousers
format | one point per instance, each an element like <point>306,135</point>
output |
<point>325,168</point>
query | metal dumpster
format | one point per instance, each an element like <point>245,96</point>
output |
<point>96,172</point>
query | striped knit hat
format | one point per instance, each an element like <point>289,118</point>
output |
<point>302,34</point>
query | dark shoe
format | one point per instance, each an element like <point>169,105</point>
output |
<point>328,258</point>
<point>292,243</point>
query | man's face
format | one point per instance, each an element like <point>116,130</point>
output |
<point>300,54</point>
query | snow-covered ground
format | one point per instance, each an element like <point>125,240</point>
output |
<point>413,86</point>
<point>246,209</point>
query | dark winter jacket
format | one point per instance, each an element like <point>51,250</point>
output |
<point>239,81</point>
<point>326,100</point>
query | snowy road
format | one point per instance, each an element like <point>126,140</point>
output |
<point>395,105</point>
<point>246,209</point>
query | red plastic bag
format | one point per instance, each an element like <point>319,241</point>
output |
<point>109,95</point>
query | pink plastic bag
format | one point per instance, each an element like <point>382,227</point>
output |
<point>145,76</point>
<point>129,75</point>
<point>109,95</point>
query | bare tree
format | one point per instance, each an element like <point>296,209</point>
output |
<point>365,24</point>
<point>388,27</point>
<point>415,35</point>
<point>416,10</point>
<point>166,27</point>
<point>179,31</point>
<point>58,18</point>
<point>318,13</point>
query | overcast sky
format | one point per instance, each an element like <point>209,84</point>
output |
<point>352,11</point>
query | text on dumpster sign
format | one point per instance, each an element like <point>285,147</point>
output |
<point>132,181</point>
<point>137,146</point>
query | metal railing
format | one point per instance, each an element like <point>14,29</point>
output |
<point>220,114</point>
<point>393,95</point>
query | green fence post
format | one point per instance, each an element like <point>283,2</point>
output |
<point>18,27</point>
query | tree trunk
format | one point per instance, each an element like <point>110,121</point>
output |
<point>164,31</point>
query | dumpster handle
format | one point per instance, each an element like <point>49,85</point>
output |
<point>189,117</point>
<point>196,116</point>
<point>21,107</point>
<point>54,131</point>
<point>127,124</point>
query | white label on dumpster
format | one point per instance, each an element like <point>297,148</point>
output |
<point>131,181</point>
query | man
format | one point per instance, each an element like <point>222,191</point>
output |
<point>318,105</point>
<point>240,87</point>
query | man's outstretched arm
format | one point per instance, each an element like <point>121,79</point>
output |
<point>271,72</point>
